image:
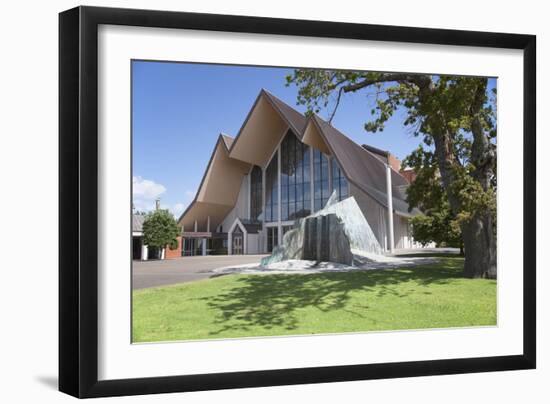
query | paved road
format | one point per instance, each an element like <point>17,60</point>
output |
<point>412,252</point>
<point>147,274</point>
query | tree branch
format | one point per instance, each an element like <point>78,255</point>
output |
<point>421,81</point>
<point>340,91</point>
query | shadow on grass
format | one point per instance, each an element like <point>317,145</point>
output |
<point>271,301</point>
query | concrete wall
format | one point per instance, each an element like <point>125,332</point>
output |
<point>375,213</point>
<point>377,216</point>
<point>401,234</point>
<point>241,207</point>
<point>253,244</point>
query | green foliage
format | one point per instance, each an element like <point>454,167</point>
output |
<point>438,227</point>
<point>438,223</point>
<point>160,229</point>
<point>173,245</point>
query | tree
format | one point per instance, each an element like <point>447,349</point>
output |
<point>160,229</point>
<point>455,117</point>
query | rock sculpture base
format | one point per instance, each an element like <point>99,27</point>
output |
<point>333,234</point>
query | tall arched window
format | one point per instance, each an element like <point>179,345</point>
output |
<point>271,191</point>
<point>256,194</point>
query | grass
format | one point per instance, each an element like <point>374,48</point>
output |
<point>432,296</point>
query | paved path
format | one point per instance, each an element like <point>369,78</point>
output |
<point>433,252</point>
<point>361,263</point>
<point>147,274</point>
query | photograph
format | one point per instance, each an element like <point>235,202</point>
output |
<point>275,201</point>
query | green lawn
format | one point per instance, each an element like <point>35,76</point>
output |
<point>261,305</point>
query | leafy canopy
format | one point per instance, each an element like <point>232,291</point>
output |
<point>451,114</point>
<point>160,229</point>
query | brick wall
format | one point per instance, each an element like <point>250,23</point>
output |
<point>174,253</point>
<point>409,174</point>
<point>394,162</point>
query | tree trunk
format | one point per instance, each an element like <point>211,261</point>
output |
<point>480,245</point>
<point>478,232</point>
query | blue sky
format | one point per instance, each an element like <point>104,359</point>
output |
<point>179,109</point>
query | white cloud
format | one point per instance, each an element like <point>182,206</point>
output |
<point>144,193</point>
<point>141,205</point>
<point>178,209</point>
<point>143,189</point>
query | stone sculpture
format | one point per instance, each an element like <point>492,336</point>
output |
<point>337,233</point>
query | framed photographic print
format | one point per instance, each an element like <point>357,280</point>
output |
<point>251,201</point>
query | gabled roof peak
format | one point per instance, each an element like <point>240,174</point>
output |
<point>295,119</point>
<point>228,140</point>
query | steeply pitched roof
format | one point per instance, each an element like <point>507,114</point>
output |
<point>252,228</point>
<point>219,210</point>
<point>296,120</point>
<point>376,150</point>
<point>228,140</point>
<point>364,169</point>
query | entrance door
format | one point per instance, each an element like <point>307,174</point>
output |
<point>272,238</point>
<point>237,244</point>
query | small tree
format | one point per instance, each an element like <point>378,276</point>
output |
<point>438,224</point>
<point>438,227</point>
<point>160,229</point>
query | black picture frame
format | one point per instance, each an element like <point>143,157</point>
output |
<point>78,201</point>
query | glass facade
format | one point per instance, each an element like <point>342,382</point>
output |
<point>192,246</point>
<point>256,194</point>
<point>295,178</point>
<point>339,181</point>
<point>321,188</point>
<point>297,172</point>
<point>272,191</point>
